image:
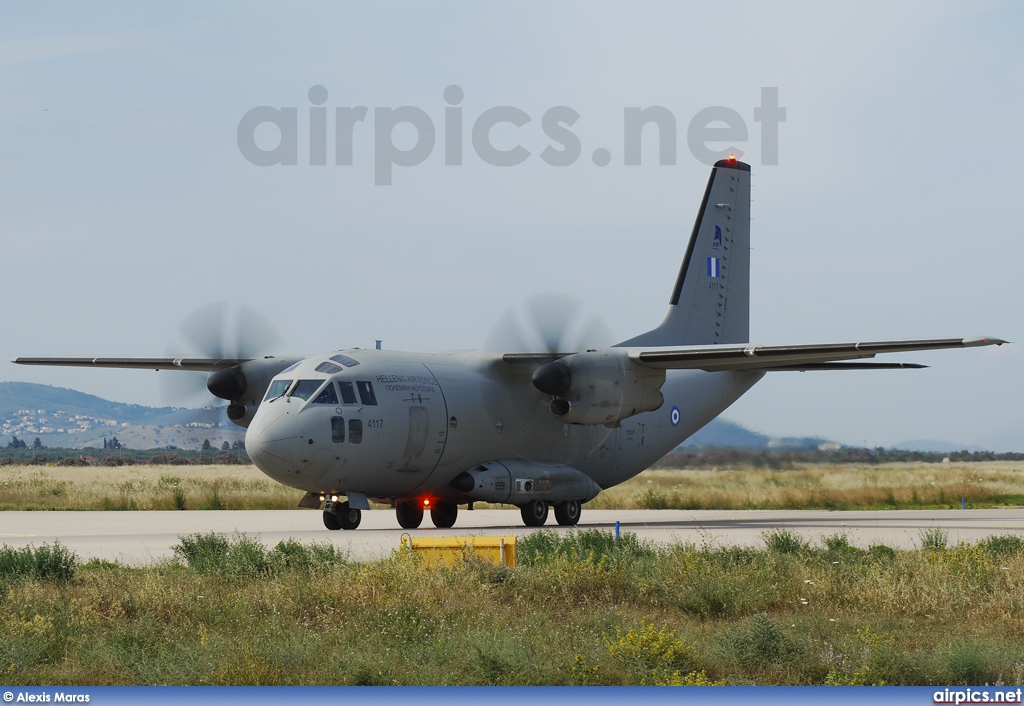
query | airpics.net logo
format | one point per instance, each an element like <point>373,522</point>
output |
<point>269,136</point>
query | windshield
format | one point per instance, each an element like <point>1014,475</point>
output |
<point>277,388</point>
<point>304,389</point>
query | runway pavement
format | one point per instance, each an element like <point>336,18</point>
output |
<point>144,537</point>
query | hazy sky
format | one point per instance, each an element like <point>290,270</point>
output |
<point>893,211</point>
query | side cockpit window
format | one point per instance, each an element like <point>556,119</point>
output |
<point>327,395</point>
<point>277,388</point>
<point>348,392</point>
<point>366,395</point>
<point>304,389</point>
<point>338,429</point>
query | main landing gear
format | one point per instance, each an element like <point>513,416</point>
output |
<point>535,513</point>
<point>341,516</point>
<point>410,515</point>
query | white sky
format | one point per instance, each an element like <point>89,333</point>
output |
<point>894,211</point>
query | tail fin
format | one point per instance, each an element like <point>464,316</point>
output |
<point>711,300</point>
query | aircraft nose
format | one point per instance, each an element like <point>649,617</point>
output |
<point>275,445</point>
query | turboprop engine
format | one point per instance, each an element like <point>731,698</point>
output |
<point>518,482</point>
<point>245,384</point>
<point>599,387</point>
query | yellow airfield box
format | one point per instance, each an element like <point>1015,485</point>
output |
<point>448,551</point>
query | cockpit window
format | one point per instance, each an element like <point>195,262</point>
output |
<point>329,368</point>
<point>304,389</point>
<point>277,388</point>
<point>327,396</point>
<point>348,392</point>
<point>366,392</point>
<point>345,360</point>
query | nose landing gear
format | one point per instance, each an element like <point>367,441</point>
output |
<point>341,516</point>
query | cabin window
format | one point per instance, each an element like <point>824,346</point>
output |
<point>329,368</point>
<point>355,431</point>
<point>348,392</point>
<point>338,429</point>
<point>366,392</point>
<point>327,395</point>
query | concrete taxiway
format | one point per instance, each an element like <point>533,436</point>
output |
<point>145,537</point>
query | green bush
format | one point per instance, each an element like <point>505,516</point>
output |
<point>1003,546</point>
<point>761,643</point>
<point>579,545</point>
<point>783,541</point>
<point>242,555</point>
<point>48,563</point>
<point>934,539</point>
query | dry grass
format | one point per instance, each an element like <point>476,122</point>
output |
<point>806,486</point>
<point>811,486</point>
<point>581,608</point>
<point>142,488</point>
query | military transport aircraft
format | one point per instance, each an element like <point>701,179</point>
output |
<point>537,428</point>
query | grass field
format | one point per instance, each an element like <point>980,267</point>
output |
<point>806,486</point>
<point>579,609</point>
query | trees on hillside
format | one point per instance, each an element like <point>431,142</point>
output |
<point>17,443</point>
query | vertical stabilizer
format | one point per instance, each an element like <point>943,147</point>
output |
<point>711,300</point>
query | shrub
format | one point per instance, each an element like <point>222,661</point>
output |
<point>579,545</point>
<point>1003,545</point>
<point>242,555</point>
<point>783,541</point>
<point>934,539</point>
<point>48,563</point>
<point>763,642</point>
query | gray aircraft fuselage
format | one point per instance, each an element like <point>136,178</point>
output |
<point>437,415</point>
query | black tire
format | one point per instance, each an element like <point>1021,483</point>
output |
<point>568,513</point>
<point>535,513</point>
<point>348,517</point>
<point>331,520</point>
<point>444,514</point>
<point>410,515</point>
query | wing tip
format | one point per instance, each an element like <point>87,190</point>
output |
<point>983,341</point>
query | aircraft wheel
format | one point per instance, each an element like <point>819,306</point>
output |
<point>349,517</point>
<point>331,520</point>
<point>410,515</point>
<point>568,513</point>
<point>444,514</point>
<point>535,513</point>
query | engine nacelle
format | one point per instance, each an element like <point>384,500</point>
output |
<point>600,387</point>
<point>517,482</point>
<point>245,385</point>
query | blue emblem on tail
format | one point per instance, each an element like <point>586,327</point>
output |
<point>717,242</point>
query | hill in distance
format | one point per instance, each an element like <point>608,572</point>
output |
<point>65,418</point>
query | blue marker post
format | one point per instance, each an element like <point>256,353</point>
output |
<point>616,529</point>
<point>963,503</point>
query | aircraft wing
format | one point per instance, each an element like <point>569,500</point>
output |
<point>200,364</point>
<point>813,356</point>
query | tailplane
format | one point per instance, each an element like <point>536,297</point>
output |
<point>711,300</point>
